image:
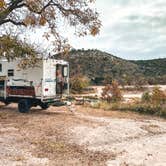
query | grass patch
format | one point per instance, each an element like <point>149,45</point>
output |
<point>59,150</point>
<point>138,107</point>
<point>158,110</point>
<point>101,105</point>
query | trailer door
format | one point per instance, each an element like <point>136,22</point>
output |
<point>2,88</point>
<point>62,79</point>
<point>49,80</point>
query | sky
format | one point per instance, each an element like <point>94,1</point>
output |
<point>131,29</point>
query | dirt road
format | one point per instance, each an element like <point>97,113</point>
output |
<point>85,137</point>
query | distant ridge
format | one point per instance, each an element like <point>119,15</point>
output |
<point>154,67</point>
<point>100,66</point>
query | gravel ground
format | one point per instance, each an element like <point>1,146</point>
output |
<point>86,137</point>
<point>134,142</point>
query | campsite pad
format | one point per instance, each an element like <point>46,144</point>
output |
<point>86,137</point>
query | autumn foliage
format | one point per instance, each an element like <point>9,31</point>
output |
<point>11,48</point>
<point>158,96</point>
<point>112,93</point>
<point>51,14</point>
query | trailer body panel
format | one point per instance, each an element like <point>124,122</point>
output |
<point>39,82</point>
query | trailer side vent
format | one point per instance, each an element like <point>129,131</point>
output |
<point>10,72</point>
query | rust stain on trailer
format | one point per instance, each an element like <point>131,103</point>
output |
<point>20,90</point>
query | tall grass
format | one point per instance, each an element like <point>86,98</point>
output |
<point>152,104</point>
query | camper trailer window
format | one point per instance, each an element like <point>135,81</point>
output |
<point>65,71</point>
<point>10,72</point>
<point>0,67</point>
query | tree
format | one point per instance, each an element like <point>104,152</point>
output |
<point>112,92</point>
<point>115,91</point>
<point>11,45</point>
<point>32,13</point>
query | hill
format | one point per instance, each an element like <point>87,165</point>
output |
<point>155,67</point>
<point>103,67</point>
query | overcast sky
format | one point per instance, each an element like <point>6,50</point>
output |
<point>131,29</point>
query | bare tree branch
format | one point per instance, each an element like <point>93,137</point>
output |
<point>33,13</point>
<point>11,21</point>
<point>14,5</point>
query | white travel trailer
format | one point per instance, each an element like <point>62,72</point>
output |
<point>41,85</point>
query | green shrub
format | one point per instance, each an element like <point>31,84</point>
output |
<point>115,106</point>
<point>146,109</point>
<point>162,113</point>
<point>78,83</point>
<point>158,96</point>
<point>105,105</point>
<point>146,97</point>
<point>101,105</point>
<point>143,108</point>
<point>95,105</point>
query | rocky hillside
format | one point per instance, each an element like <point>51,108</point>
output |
<point>103,67</point>
<point>155,67</point>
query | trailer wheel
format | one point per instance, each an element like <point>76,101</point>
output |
<point>24,106</point>
<point>44,106</point>
<point>6,103</point>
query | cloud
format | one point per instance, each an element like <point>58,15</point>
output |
<point>131,29</point>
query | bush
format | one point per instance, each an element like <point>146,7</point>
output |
<point>142,108</point>
<point>112,92</point>
<point>104,105</point>
<point>147,109</point>
<point>146,97</point>
<point>78,83</point>
<point>162,113</point>
<point>106,94</point>
<point>158,96</point>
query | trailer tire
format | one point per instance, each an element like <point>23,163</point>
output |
<point>6,103</point>
<point>44,106</point>
<point>24,106</point>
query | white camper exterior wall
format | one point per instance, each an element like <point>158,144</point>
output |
<point>23,77</point>
<point>49,78</point>
<point>42,77</point>
<point>36,75</point>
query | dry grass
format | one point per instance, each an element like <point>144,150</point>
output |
<point>137,107</point>
<point>57,150</point>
